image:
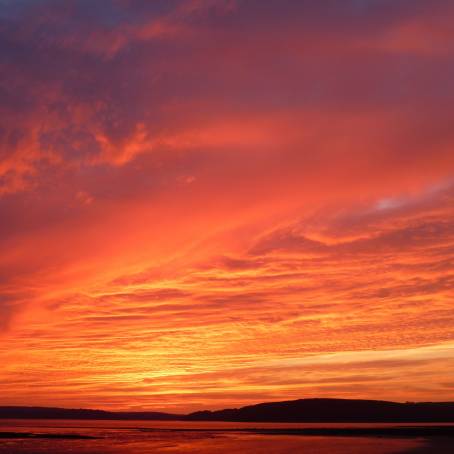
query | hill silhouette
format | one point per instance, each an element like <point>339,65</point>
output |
<point>12,412</point>
<point>334,410</point>
<point>302,410</point>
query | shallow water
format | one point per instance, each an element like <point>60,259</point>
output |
<point>134,437</point>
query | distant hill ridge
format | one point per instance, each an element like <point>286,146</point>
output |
<point>334,410</point>
<point>14,412</point>
<point>302,410</point>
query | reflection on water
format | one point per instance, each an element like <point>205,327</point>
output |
<point>134,437</point>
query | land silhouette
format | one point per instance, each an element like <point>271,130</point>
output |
<point>302,410</point>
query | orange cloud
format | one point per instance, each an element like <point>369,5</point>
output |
<point>214,203</point>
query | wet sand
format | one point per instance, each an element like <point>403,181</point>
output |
<point>435,445</point>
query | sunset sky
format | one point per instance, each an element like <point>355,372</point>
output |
<point>213,203</point>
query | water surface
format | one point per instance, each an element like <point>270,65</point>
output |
<point>134,437</point>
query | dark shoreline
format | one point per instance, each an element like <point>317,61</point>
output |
<point>314,410</point>
<point>391,432</point>
<point>33,435</point>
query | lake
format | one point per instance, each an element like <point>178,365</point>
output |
<point>134,437</point>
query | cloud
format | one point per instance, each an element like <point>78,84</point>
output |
<point>190,187</point>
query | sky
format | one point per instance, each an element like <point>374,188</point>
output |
<point>213,203</point>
